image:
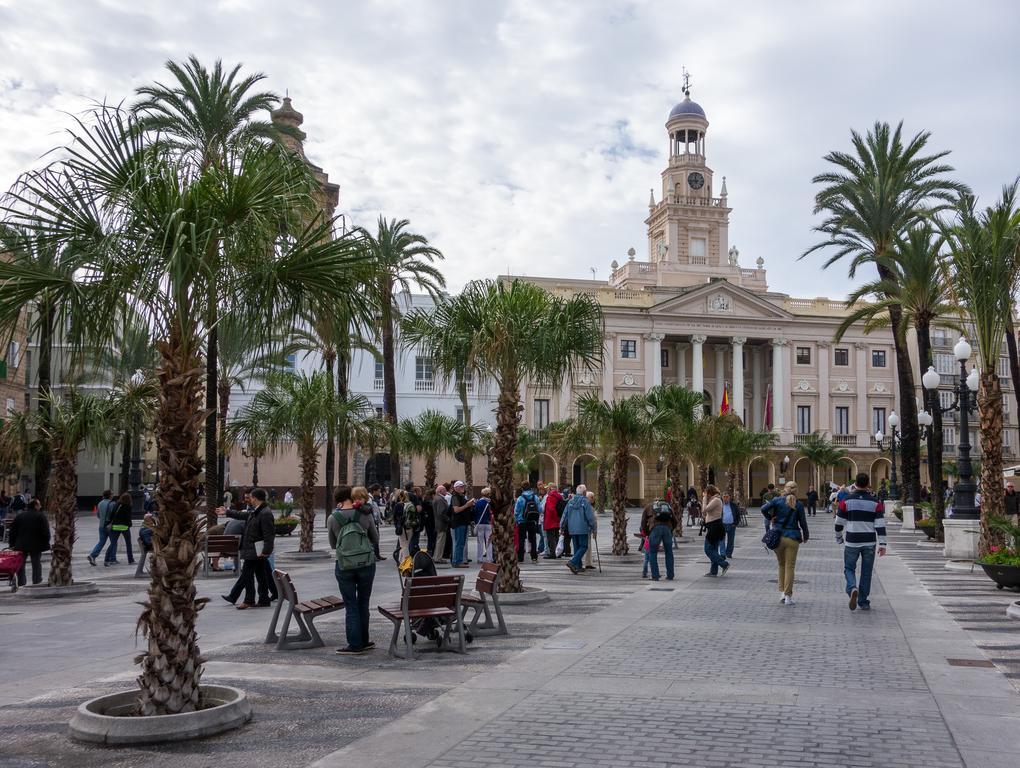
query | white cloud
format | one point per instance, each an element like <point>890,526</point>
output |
<point>525,135</point>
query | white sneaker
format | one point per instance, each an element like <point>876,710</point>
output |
<point>788,600</point>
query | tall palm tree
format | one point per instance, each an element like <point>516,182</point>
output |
<point>206,116</point>
<point>680,408</point>
<point>565,438</point>
<point>431,434</point>
<point>521,333</point>
<point>822,453</point>
<point>920,287</point>
<point>622,425</point>
<point>735,448</point>
<point>983,249</point>
<point>871,198</point>
<point>139,223</point>
<point>297,410</point>
<point>400,258</point>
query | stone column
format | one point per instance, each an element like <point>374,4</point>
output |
<point>778,386</point>
<point>720,375</point>
<point>653,360</point>
<point>756,382</point>
<point>824,408</point>
<point>607,368</point>
<point>698,363</point>
<point>861,371</point>
<point>738,374</point>
<point>681,364</point>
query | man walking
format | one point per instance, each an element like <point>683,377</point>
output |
<point>256,547</point>
<point>860,525</point>
<point>103,509</point>
<point>527,515</point>
<point>578,523</point>
<point>730,518</point>
<point>812,500</point>
<point>30,535</point>
<point>441,520</point>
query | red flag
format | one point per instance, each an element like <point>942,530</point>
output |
<point>725,407</point>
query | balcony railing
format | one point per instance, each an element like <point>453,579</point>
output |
<point>379,385</point>
<point>844,441</point>
<point>424,385</point>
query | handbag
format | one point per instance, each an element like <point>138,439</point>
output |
<point>772,538</point>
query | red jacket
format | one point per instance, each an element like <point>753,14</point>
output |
<point>552,517</point>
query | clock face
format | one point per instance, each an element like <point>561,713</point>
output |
<point>695,180</point>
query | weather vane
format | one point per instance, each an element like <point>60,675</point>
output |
<point>687,82</point>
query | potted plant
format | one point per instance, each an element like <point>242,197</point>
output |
<point>1002,564</point>
<point>929,526</point>
<point>285,525</point>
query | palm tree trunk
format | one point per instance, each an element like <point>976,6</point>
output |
<point>508,410</point>
<point>342,441</point>
<point>703,477</point>
<point>171,665</point>
<point>602,492</point>
<point>309,470</point>
<point>562,474</point>
<point>990,417</point>
<point>125,462</point>
<point>61,506</point>
<point>673,476</point>
<point>390,378</point>
<point>211,442</point>
<point>430,471</point>
<point>910,459</point>
<point>1014,360</point>
<point>224,407</point>
<point>328,359</point>
<point>469,472</point>
<point>44,457</point>
<point>620,499</point>
<point>932,405</point>
<point>731,479</point>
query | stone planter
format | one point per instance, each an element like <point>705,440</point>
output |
<point>529,596</point>
<point>1004,576</point>
<point>109,719</point>
<point>1013,610</point>
<point>931,531</point>
<point>313,555</point>
<point>44,591</point>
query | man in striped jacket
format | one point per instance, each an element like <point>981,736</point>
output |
<point>860,526</point>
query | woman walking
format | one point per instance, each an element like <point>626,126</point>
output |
<point>787,514</point>
<point>483,527</point>
<point>715,532</point>
<point>120,525</point>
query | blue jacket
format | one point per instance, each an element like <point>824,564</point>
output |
<point>578,516</point>
<point>519,506</point>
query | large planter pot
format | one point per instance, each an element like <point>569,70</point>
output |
<point>1004,576</point>
<point>44,591</point>
<point>285,529</point>
<point>110,719</point>
<point>931,531</point>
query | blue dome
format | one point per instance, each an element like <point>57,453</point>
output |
<point>687,107</point>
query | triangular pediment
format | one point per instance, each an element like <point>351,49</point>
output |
<point>720,299</point>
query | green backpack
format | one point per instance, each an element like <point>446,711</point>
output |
<point>410,515</point>
<point>353,549</point>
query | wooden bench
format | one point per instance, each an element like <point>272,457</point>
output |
<point>427,597</point>
<point>303,614</point>
<point>221,545</point>
<point>486,590</point>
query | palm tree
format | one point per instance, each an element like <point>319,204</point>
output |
<point>735,447</point>
<point>399,259</point>
<point>871,198</point>
<point>68,424</point>
<point>983,247</point>
<point>40,274</point>
<point>821,452</point>
<point>920,288</point>
<point>621,425</point>
<point>138,222</point>
<point>680,408</point>
<point>565,439</point>
<point>430,434</point>
<point>297,410</point>
<point>205,117</point>
<point>522,333</point>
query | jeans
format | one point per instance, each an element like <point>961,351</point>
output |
<point>528,530</point>
<point>460,533</point>
<point>142,557</point>
<point>414,543</point>
<point>483,541</point>
<point>660,535</point>
<point>356,590</point>
<point>731,535</point>
<point>715,556</point>
<point>580,547</point>
<point>867,557</point>
<point>104,536</point>
<point>36,558</point>
<point>111,551</point>
<point>786,554</point>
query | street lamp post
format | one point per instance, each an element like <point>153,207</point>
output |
<point>894,438</point>
<point>965,488</point>
<point>135,471</point>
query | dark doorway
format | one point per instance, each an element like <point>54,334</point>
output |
<point>377,470</point>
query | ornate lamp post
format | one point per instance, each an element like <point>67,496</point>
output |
<point>894,438</point>
<point>963,491</point>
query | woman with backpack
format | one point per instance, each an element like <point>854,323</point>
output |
<point>405,522</point>
<point>353,535</point>
<point>786,514</point>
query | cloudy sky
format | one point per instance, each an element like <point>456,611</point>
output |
<point>525,135</point>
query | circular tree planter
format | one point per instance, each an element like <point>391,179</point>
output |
<point>110,719</point>
<point>529,596</point>
<point>1004,576</point>
<point>313,555</point>
<point>1013,610</point>
<point>44,591</point>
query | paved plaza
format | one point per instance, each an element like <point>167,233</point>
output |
<point>611,671</point>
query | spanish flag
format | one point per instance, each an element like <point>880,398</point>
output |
<point>725,407</point>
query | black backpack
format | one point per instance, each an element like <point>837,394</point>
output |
<point>663,512</point>
<point>531,513</point>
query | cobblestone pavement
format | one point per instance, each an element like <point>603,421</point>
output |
<point>970,597</point>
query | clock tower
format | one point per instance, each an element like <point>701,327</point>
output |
<point>688,227</point>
